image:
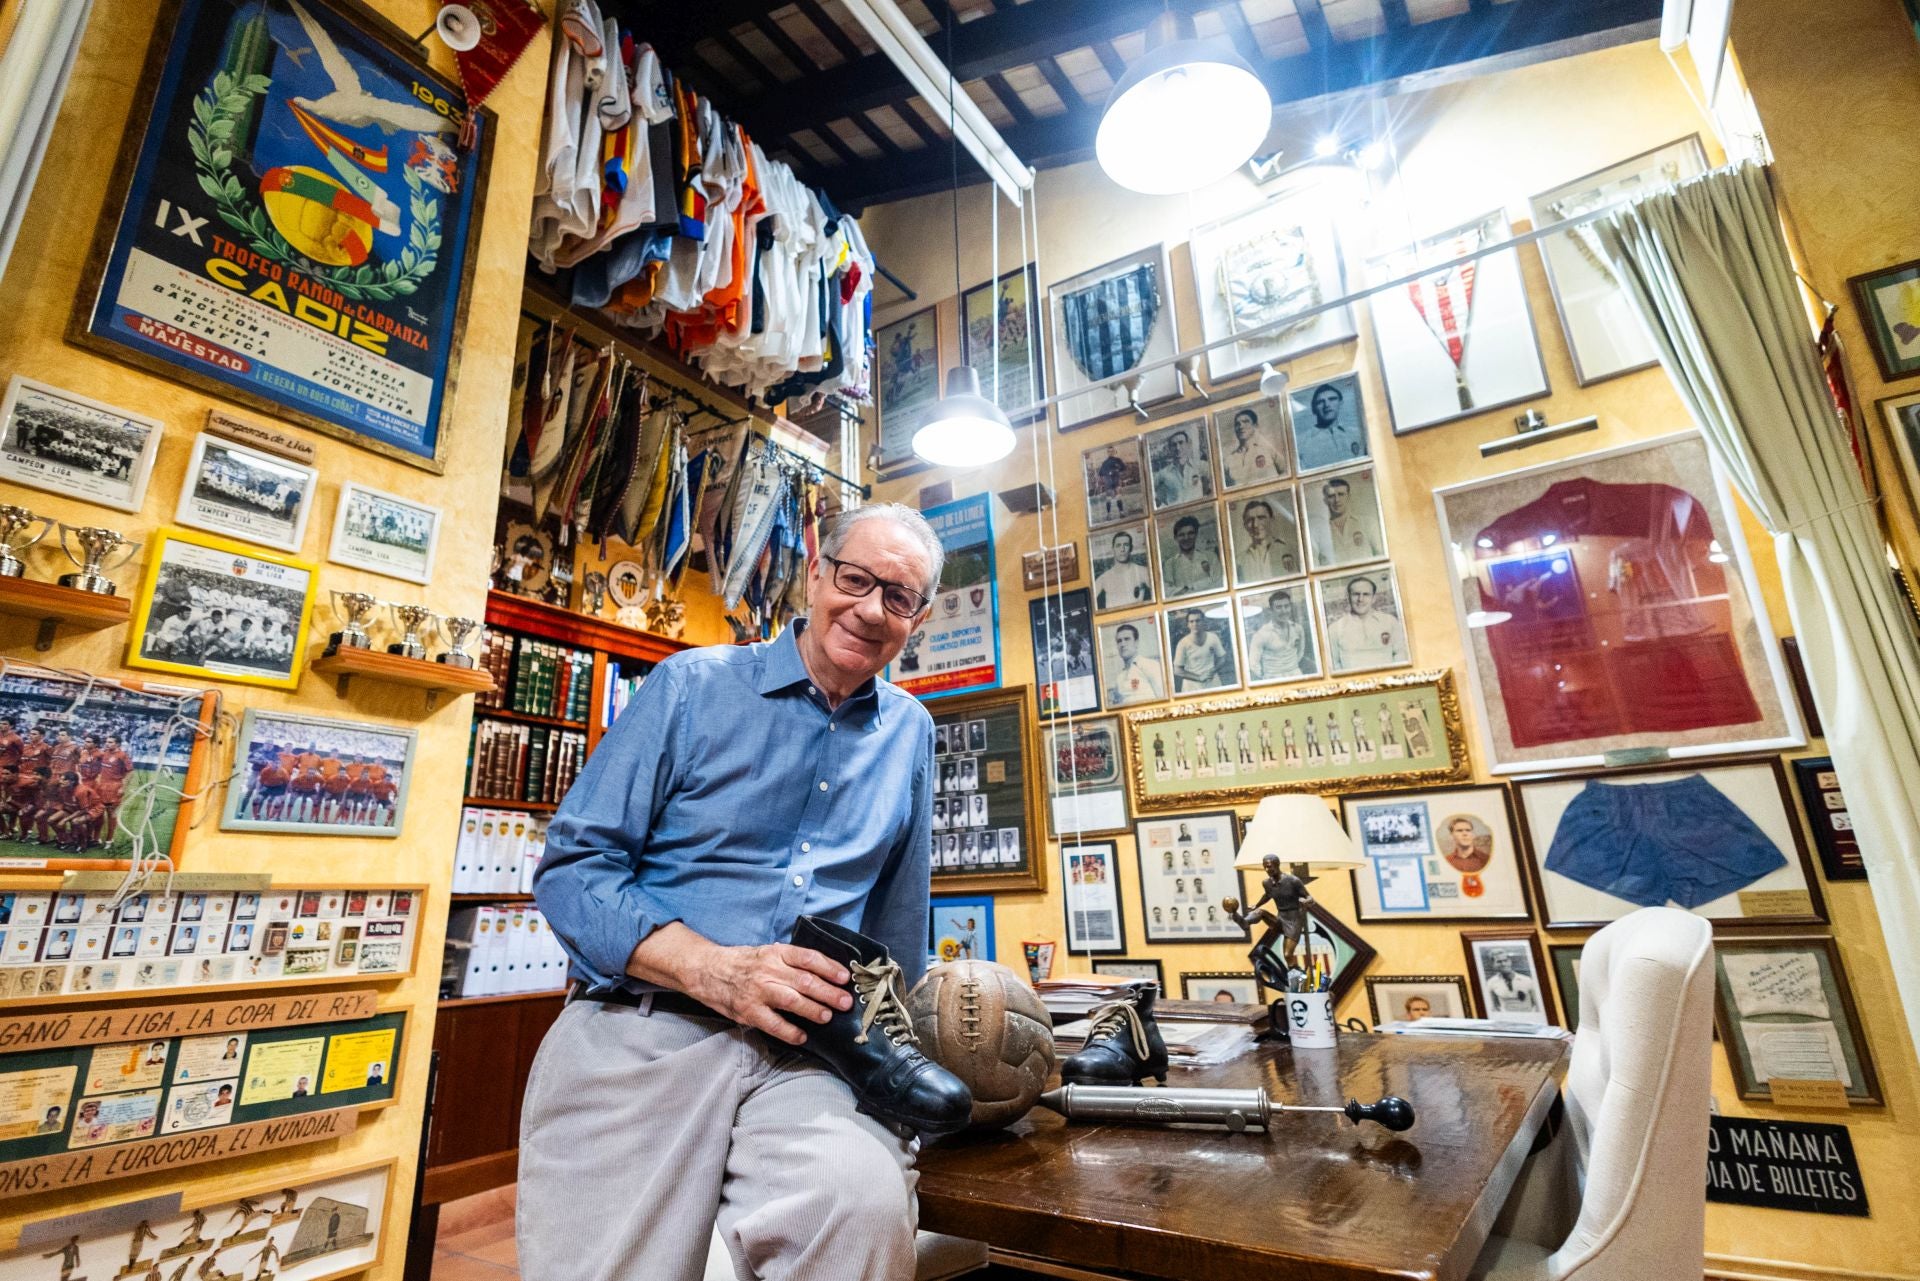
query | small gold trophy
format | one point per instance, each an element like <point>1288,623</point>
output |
<point>96,544</point>
<point>410,620</point>
<point>14,522</point>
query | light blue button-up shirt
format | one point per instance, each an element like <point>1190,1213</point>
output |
<point>730,798</point>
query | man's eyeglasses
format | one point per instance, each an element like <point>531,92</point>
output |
<point>898,598</point>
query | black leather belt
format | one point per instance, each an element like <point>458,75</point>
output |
<point>668,1002</point>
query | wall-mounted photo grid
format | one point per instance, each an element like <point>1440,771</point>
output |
<point>1241,551</point>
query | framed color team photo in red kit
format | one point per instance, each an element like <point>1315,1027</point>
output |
<point>308,774</point>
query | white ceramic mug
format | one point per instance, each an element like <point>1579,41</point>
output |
<point>1310,1020</point>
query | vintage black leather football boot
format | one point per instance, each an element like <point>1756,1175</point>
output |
<point>1123,1044</point>
<point>872,1046</point>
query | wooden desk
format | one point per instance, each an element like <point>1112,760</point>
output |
<point>1316,1197</point>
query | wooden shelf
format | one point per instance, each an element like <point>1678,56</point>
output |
<point>461,1002</point>
<point>495,803</point>
<point>529,718</point>
<point>50,605</point>
<point>397,669</point>
<point>531,618</point>
<point>493,898</point>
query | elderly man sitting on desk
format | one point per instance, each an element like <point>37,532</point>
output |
<point>749,795</point>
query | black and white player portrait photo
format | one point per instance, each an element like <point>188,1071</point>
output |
<point>231,489</point>
<point>53,439</point>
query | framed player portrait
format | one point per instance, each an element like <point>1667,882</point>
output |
<point>1251,442</point>
<point>1458,340</point>
<point>1360,614</point>
<point>66,443</point>
<point>1204,658</point>
<point>1436,854</point>
<point>1186,873</point>
<point>215,608</point>
<point>1061,625</point>
<point>1132,664</point>
<point>1343,519</point>
<point>1122,577</point>
<point>1329,424</point>
<point>1180,464</point>
<point>1116,482</point>
<point>316,776</point>
<point>1192,561</point>
<point>1221,987</point>
<point>1409,997</point>
<point>1277,638</point>
<point>1264,531</point>
<point>95,764</point>
<point>1508,974</point>
<point>231,489</point>
<point>960,928</point>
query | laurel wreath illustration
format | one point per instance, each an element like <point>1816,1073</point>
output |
<point>217,110</point>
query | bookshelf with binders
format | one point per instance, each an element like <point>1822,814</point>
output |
<point>561,680</point>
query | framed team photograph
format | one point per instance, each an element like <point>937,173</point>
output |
<point>999,332</point>
<point>214,608</point>
<point>1605,335</point>
<point>1329,424</point>
<point>1256,270</point>
<point>986,794</point>
<point>1086,785</point>
<point>105,761</point>
<point>1108,321</point>
<point>1200,639</point>
<point>1131,666</point>
<point>1264,531</point>
<point>1607,602</point>
<point>1189,547</point>
<point>1886,302</point>
<point>1179,464</point>
<point>1437,854</point>
<point>1565,958</point>
<point>1459,340</point>
<point>66,443</point>
<point>1360,615</point>
<point>386,534</point>
<point>1221,987</point>
<point>1785,1011</point>
<point>1091,875</point>
<point>1122,577</point>
<point>1718,839</point>
<point>960,928</point>
<point>1116,482</point>
<point>1344,526</point>
<point>1400,730</point>
<point>1409,997</point>
<point>906,380</point>
<point>339,301</point>
<point>1251,443</point>
<point>1186,871</point>
<point>231,489</point>
<point>318,777</point>
<point>1277,639</point>
<point>1126,967</point>
<point>1061,626</point>
<point>1507,972</point>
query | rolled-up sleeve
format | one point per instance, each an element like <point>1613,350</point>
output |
<point>897,911</point>
<point>588,885</point>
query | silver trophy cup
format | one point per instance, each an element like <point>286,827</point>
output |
<point>354,609</point>
<point>458,632</point>
<point>410,620</point>
<point>97,546</point>
<point>14,523</point>
<point>595,584</point>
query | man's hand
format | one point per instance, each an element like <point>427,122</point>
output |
<point>750,985</point>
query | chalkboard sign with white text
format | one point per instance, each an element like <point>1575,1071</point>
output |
<point>1784,1165</point>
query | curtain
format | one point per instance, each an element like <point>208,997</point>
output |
<point>35,60</point>
<point>1707,268</point>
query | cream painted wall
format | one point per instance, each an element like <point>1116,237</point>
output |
<point>35,298</point>
<point>1462,150</point>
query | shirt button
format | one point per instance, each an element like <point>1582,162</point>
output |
<point>799,880</point>
<point>823,784</point>
<point>806,847</point>
<point>832,726</point>
<point>812,690</point>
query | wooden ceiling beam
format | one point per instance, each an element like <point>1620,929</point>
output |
<point>1009,98</point>
<point>1061,84</point>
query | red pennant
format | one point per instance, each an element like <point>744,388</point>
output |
<point>506,28</point>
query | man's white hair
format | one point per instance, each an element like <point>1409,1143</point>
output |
<point>909,520</point>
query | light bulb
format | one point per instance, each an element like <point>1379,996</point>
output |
<point>1327,147</point>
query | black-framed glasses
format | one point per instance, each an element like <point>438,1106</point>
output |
<point>899,599</point>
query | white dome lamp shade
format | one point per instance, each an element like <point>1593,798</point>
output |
<point>1188,113</point>
<point>965,429</point>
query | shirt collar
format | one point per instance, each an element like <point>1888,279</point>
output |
<point>782,668</point>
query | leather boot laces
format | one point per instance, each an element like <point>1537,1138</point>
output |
<point>878,986</point>
<point>1108,1019</point>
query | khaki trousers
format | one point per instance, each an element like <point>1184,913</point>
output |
<point>641,1130</point>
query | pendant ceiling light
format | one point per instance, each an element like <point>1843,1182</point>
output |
<point>1188,113</point>
<point>965,429</point>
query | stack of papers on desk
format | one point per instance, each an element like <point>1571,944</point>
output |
<point>1188,1044</point>
<point>1476,1027</point>
<point>1071,995</point>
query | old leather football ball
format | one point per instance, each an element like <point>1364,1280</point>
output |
<point>981,1022</point>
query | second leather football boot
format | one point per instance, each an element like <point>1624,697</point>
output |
<point>1123,1046</point>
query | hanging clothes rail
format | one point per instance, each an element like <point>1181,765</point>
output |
<point>815,470</point>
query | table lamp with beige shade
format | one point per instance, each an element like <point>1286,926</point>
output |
<point>1295,829</point>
